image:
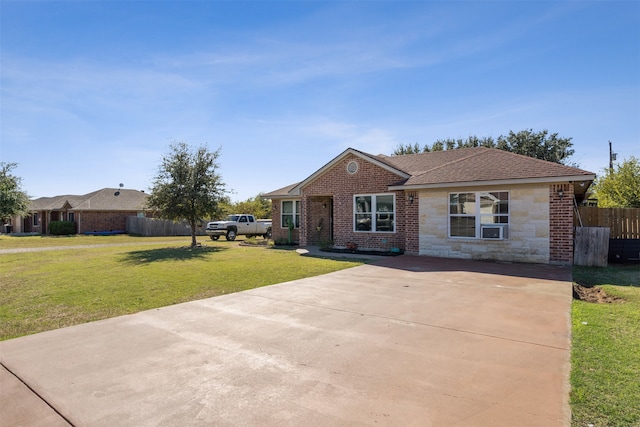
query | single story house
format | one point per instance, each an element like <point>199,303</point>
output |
<point>100,211</point>
<point>476,203</point>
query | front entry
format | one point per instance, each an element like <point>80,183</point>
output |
<point>320,227</point>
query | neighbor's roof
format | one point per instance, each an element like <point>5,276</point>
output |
<point>107,199</point>
<point>457,167</point>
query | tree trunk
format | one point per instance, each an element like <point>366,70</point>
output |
<point>194,243</point>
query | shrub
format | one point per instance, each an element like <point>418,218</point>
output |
<point>62,228</point>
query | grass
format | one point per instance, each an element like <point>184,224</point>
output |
<point>47,290</point>
<point>605,359</point>
<point>27,242</point>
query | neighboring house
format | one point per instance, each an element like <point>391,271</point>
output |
<point>477,203</point>
<point>104,210</point>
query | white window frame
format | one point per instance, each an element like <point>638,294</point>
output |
<point>375,215</point>
<point>296,208</point>
<point>478,215</point>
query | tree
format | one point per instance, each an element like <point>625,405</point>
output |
<point>187,186</point>
<point>620,188</point>
<point>256,206</point>
<point>402,149</point>
<point>540,145</point>
<point>13,201</point>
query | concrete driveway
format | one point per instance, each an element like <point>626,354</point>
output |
<point>405,341</point>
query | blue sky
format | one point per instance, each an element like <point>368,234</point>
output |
<point>93,92</point>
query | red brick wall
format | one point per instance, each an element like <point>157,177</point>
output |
<point>561,224</point>
<point>318,224</point>
<point>278,233</point>
<point>103,220</point>
<point>342,186</point>
<point>411,222</point>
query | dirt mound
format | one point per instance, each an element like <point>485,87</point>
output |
<point>593,294</point>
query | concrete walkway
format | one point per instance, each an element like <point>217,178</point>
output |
<point>403,341</point>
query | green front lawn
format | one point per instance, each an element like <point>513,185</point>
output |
<point>605,357</point>
<point>41,291</point>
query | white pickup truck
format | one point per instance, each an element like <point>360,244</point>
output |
<point>241,224</point>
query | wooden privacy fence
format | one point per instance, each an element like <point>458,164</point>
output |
<point>159,227</point>
<point>591,246</point>
<point>623,222</point>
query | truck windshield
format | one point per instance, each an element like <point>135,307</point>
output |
<point>233,217</point>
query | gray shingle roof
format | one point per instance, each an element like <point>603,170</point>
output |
<point>478,164</point>
<point>101,200</point>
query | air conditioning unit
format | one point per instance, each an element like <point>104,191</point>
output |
<point>495,232</point>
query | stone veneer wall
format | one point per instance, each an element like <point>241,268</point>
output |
<point>528,229</point>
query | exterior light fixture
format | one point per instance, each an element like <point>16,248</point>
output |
<point>410,198</point>
<point>560,194</point>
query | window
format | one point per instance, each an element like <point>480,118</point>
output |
<point>479,214</point>
<point>71,216</point>
<point>35,219</point>
<point>375,212</point>
<point>290,213</point>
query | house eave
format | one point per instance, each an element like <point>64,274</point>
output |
<point>285,196</point>
<point>501,182</point>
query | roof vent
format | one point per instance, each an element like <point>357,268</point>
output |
<point>352,167</point>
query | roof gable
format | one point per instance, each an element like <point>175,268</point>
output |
<point>376,160</point>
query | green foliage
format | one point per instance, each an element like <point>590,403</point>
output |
<point>540,145</point>
<point>402,150</point>
<point>62,228</point>
<point>256,206</point>
<point>13,201</point>
<point>187,186</point>
<point>620,188</point>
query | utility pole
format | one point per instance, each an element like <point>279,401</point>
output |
<point>612,157</point>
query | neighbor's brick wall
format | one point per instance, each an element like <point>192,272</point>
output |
<point>337,182</point>
<point>528,229</point>
<point>561,224</point>
<point>103,220</point>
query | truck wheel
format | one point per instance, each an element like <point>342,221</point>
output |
<point>214,237</point>
<point>231,235</point>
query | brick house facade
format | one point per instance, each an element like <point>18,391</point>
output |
<point>475,203</point>
<point>104,210</point>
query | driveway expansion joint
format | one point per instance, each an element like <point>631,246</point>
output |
<point>53,408</point>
